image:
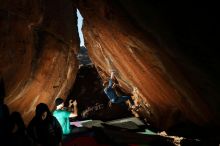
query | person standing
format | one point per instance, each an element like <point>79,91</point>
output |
<point>63,115</point>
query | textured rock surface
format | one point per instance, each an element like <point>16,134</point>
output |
<point>167,53</point>
<point>38,46</point>
<point>144,47</point>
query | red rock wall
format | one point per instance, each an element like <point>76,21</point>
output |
<point>115,41</point>
<point>38,46</point>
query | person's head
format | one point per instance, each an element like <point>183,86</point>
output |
<point>42,112</point>
<point>1,100</point>
<point>105,84</point>
<point>59,103</point>
<point>2,90</point>
<point>16,123</point>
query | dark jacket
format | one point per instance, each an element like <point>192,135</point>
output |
<point>46,132</point>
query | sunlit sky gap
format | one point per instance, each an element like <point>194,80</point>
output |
<point>79,24</point>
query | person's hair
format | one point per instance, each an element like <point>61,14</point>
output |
<point>105,83</point>
<point>59,101</point>
<point>40,109</point>
<point>16,119</point>
<point>2,90</point>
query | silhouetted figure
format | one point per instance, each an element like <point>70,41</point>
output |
<point>2,89</point>
<point>44,128</point>
<point>17,132</point>
<point>4,111</point>
<point>4,114</point>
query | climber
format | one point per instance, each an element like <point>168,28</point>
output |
<point>111,94</point>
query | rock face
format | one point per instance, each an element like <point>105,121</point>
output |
<point>164,53</point>
<point>144,43</point>
<point>38,47</point>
